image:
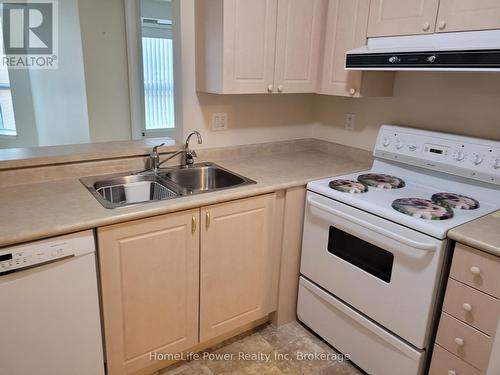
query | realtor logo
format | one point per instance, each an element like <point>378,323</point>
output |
<point>29,34</point>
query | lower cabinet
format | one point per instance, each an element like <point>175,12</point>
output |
<point>236,264</point>
<point>150,277</point>
<point>161,276</point>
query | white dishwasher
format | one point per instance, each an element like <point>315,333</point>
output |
<point>49,309</point>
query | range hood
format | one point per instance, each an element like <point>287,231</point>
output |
<point>463,51</point>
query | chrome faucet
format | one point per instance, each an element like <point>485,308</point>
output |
<point>188,159</point>
<point>191,154</point>
<point>154,158</point>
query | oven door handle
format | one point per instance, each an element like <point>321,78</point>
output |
<point>414,244</point>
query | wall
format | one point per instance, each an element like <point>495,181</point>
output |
<point>466,103</point>
<point>105,58</point>
<point>59,100</point>
<point>463,103</point>
<point>252,118</point>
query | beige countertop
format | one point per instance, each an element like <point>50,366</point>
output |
<point>482,233</point>
<point>39,210</point>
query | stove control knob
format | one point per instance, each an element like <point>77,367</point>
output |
<point>459,155</point>
<point>399,144</point>
<point>412,148</point>
<point>394,59</point>
<point>386,142</point>
<point>478,159</point>
<point>496,163</point>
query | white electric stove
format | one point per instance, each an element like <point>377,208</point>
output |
<point>375,253</point>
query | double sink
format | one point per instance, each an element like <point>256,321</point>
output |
<point>120,190</point>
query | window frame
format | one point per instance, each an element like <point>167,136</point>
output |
<point>7,133</point>
<point>136,71</point>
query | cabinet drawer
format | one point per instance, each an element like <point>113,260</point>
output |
<point>471,306</point>
<point>444,363</point>
<point>478,269</point>
<point>464,341</point>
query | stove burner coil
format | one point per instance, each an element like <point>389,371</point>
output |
<point>455,201</point>
<point>422,209</point>
<point>382,181</point>
<point>348,186</point>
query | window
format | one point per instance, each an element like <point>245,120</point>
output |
<point>158,69</point>
<point>152,32</point>
<point>7,122</point>
<point>158,74</point>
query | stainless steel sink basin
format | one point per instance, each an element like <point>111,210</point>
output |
<point>204,177</point>
<point>121,190</point>
<point>124,190</point>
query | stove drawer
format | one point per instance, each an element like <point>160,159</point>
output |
<point>477,269</point>
<point>471,306</point>
<point>464,341</point>
<point>371,347</point>
<point>443,363</point>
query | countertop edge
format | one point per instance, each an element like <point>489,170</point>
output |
<point>472,242</point>
<point>202,200</point>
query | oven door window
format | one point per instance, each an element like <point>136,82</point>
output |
<point>362,254</point>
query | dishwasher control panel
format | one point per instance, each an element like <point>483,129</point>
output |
<point>35,254</point>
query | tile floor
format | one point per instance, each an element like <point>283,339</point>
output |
<point>291,339</point>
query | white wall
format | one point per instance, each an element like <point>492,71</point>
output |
<point>463,103</point>
<point>105,57</point>
<point>252,118</point>
<point>59,99</point>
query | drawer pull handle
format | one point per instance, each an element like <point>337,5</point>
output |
<point>459,341</point>
<point>467,307</point>
<point>193,224</point>
<point>476,271</point>
<point>452,372</point>
<point>207,221</point>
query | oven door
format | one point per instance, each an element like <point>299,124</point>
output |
<point>382,269</point>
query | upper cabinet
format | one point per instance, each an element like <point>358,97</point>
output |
<point>402,17</point>
<point>463,15</point>
<point>300,27</point>
<point>346,29</point>
<point>258,46</point>
<point>408,17</point>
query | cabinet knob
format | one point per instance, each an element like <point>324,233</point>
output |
<point>442,25</point>
<point>280,88</point>
<point>426,26</point>
<point>352,91</point>
<point>476,271</point>
<point>452,372</point>
<point>467,307</point>
<point>270,88</point>
<point>459,341</point>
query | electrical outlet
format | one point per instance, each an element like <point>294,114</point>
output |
<point>219,121</point>
<point>350,121</point>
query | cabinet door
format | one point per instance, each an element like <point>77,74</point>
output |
<point>299,31</point>
<point>150,277</point>
<point>402,17</point>
<point>236,253</point>
<point>462,15</point>
<point>249,45</point>
<point>346,29</point>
